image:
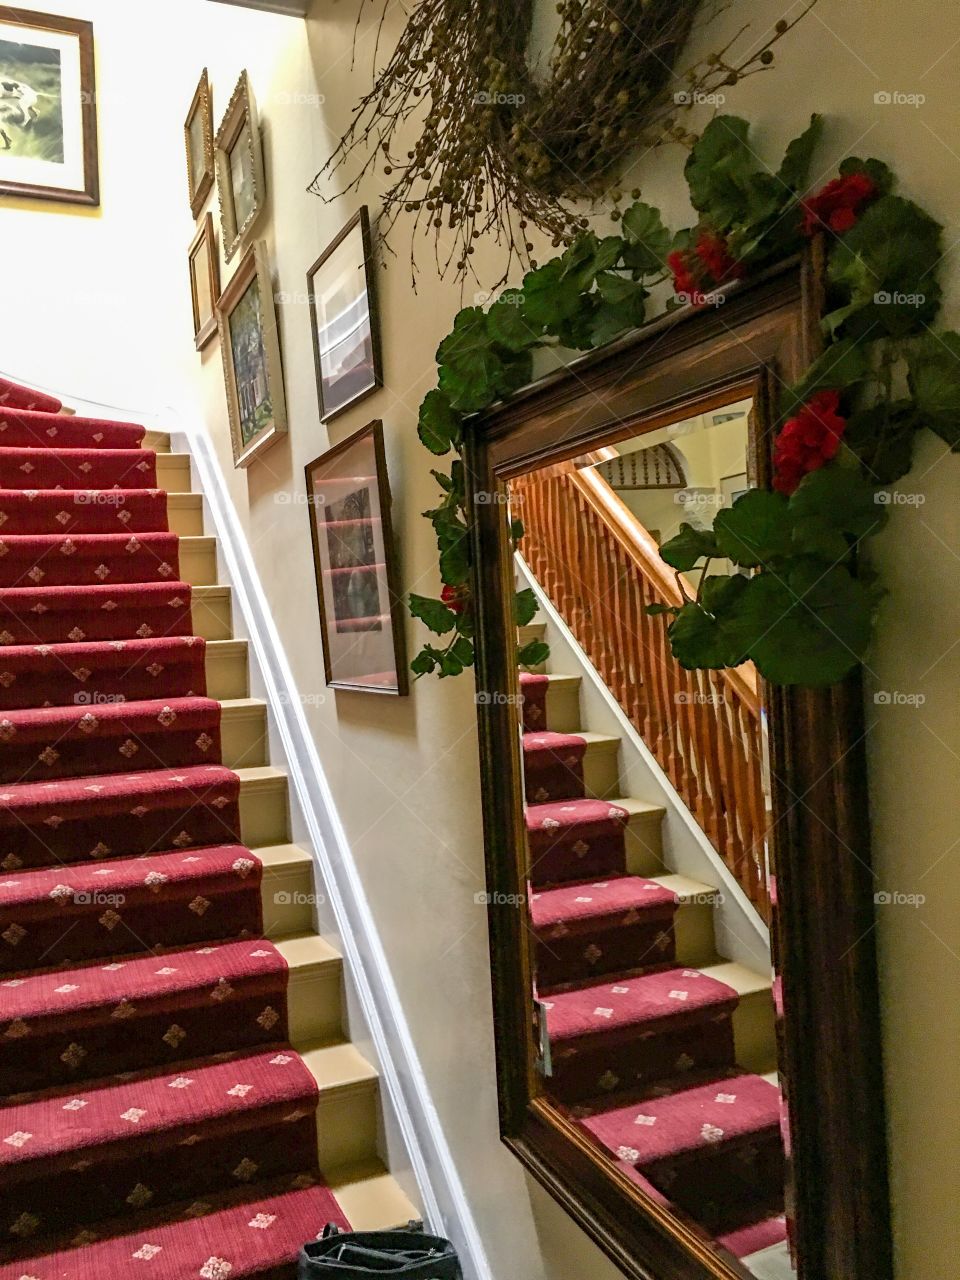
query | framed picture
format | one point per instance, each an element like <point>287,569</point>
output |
<point>241,186</point>
<point>198,139</point>
<point>358,588</point>
<point>343,313</point>
<point>250,347</point>
<point>204,282</point>
<point>48,108</point>
<point>733,487</point>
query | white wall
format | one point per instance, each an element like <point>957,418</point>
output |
<point>102,308</point>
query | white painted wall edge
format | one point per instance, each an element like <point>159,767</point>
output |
<point>445,1205</point>
<point>741,934</point>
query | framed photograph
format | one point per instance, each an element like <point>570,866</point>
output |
<point>204,282</point>
<point>358,587</point>
<point>198,139</point>
<point>48,108</point>
<point>250,347</point>
<point>343,313</point>
<point>241,186</point>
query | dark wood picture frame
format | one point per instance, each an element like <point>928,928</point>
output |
<point>240,116</point>
<point>89,193</point>
<point>764,336</point>
<point>204,328</point>
<point>374,432</point>
<point>199,185</point>
<point>362,219</point>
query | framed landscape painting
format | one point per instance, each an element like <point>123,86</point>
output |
<point>343,313</point>
<point>358,588</point>
<point>250,348</point>
<point>241,186</point>
<point>48,108</point>
<point>198,139</point>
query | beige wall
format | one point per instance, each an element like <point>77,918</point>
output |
<point>102,309</point>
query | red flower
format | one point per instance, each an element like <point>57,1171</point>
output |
<point>838,204</point>
<point>684,280</point>
<point>808,440</point>
<point>714,253</point>
<point>455,598</point>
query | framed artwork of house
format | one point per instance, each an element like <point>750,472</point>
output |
<point>48,108</point>
<point>358,587</point>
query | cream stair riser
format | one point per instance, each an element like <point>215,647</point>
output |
<point>173,472</point>
<point>264,812</point>
<point>212,612</point>
<point>243,732</point>
<point>198,561</point>
<point>226,667</point>
<point>185,514</point>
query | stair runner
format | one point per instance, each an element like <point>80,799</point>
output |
<point>153,1118</point>
<point>641,1048</point>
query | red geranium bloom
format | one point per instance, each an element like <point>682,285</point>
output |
<point>808,440</point>
<point>714,253</point>
<point>684,280</point>
<point>454,598</point>
<point>838,204</point>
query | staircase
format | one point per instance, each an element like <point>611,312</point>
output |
<point>177,1088</point>
<point>662,1051</point>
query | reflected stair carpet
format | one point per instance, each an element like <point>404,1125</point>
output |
<point>642,1049</point>
<point>154,1120</point>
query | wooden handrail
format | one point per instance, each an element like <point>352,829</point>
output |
<point>601,569</point>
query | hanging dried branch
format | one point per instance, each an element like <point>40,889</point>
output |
<point>498,152</point>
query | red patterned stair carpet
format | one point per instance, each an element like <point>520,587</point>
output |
<point>153,1115</point>
<point>642,1050</point>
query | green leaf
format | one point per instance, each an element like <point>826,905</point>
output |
<point>657,610</point>
<point>450,664</point>
<point>882,437</point>
<point>648,240</point>
<point>426,661</point>
<point>455,563</point>
<point>550,299</point>
<point>516,530</point>
<point>878,173</point>
<point>470,370</point>
<point>439,427</point>
<point>830,508</point>
<point>462,650</point>
<point>516,371</point>
<point>884,265</point>
<point>703,640</point>
<point>588,255</point>
<point>577,330</point>
<point>810,628</point>
<point>508,325</point>
<point>525,607</point>
<point>843,364</point>
<point>796,163</point>
<point>688,546</point>
<point>433,613</point>
<point>755,530</point>
<point>934,365</point>
<point>533,654</point>
<point>718,169</point>
<point>445,482</point>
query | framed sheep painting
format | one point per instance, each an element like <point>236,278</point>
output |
<point>48,108</point>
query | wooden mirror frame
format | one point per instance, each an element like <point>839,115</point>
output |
<point>762,337</point>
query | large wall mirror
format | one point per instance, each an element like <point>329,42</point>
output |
<point>681,898</point>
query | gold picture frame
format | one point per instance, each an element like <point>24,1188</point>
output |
<point>250,350</point>
<point>238,160</point>
<point>204,282</point>
<point>198,143</point>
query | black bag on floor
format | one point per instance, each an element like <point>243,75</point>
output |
<point>408,1254</point>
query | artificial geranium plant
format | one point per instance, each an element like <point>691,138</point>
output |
<point>803,611</point>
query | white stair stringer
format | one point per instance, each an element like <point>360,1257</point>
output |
<point>741,934</point>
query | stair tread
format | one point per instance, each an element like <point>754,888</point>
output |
<point>95,1116</point>
<point>590,901</point>
<point>119,785</point>
<point>337,1065</point>
<point>626,1004</point>
<point>576,812</point>
<point>306,951</point>
<point>369,1196</point>
<point>699,1119</point>
<point>545,739</point>
<point>249,1234</point>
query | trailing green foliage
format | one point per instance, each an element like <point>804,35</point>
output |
<point>796,606</point>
